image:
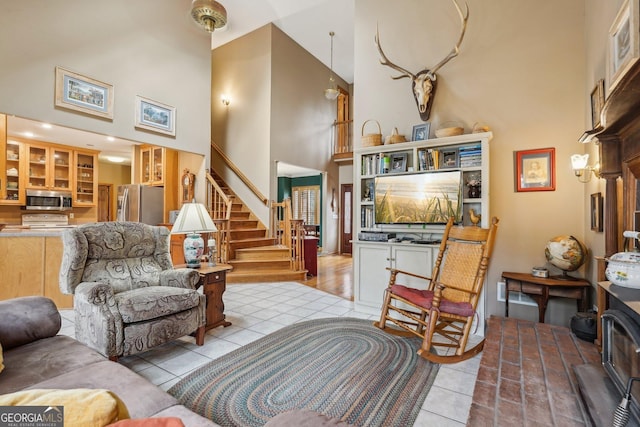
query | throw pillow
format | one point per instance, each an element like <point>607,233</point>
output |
<point>150,422</point>
<point>82,407</point>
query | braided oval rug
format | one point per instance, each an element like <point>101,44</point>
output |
<point>341,367</point>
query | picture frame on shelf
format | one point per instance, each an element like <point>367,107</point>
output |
<point>449,158</point>
<point>596,212</point>
<point>155,116</point>
<point>74,91</point>
<point>398,162</point>
<point>597,103</point>
<point>624,41</point>
<point>421,132</point>
<point>535,170</point>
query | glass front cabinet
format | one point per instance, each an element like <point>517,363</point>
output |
<point>86,171</point>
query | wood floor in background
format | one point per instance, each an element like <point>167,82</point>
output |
<point>335,276</point>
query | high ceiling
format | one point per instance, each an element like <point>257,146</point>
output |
<point>308,22</point>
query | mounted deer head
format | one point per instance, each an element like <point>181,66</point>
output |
<point>424,82</point>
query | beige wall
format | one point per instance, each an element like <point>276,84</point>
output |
<point>278,113</point>
<point>242,70</point>
<point>145,47</point>
<point>520,71</point>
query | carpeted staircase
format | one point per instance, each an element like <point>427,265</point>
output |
<point>254,255</point>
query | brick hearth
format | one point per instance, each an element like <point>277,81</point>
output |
<point>526,376</point>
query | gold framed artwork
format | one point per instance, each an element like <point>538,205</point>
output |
<point>74,91</point>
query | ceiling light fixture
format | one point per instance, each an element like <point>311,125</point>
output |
<point>331,92</point>
<point>208,14</point>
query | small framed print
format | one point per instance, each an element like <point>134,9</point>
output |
<point>155,116</point>
<point>624,41</point>
<point>398,162</point>
<point>535,170</point>
<point>421,132</point>
<point>597,103</point>
<point>80,93</point>
<point>596,212</point>
<point>449,158</point>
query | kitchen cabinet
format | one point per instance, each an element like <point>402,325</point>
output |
<point>159,168</point>
<point>86,178</point>
<point>49,167</point>
<point>12,190</point>
<point>32,268</point>
<point>157,165</point>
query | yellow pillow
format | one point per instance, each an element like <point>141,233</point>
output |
<point>1,359</point>
<point>82,407</point>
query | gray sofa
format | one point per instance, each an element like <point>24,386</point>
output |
<point>35,357</point>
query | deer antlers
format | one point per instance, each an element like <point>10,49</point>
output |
<point>424,82</point>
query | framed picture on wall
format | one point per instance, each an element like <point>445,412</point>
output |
<point>597,103</point>
<point>535,170</point>
<point>596,212</point>
<point>155,116</point>
<point>81,93</point>
<point>624,41</point>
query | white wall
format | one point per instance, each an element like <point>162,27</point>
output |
<point>520,71</point>
<point>143,47</point>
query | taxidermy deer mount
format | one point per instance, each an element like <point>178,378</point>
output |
<point>424,82</point>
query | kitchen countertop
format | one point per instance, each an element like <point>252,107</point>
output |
<point>32,232</point>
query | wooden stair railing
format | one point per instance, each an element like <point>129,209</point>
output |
<point>246,181</point>
<point>288,232</point>
<point>219,207</point>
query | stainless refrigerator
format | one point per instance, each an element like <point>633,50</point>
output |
<point>140,203</point>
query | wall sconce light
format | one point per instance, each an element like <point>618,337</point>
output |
<point>581,169</point>
<point>225,100</point>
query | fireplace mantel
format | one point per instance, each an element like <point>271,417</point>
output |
<point>619,150</point>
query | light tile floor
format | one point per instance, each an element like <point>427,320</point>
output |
<point>256,310</point>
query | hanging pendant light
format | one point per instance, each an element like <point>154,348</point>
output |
<point>331,92</point>
<point>208,14</point>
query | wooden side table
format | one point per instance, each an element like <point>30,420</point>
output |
<point>214,283</point>
<point>541,288</point>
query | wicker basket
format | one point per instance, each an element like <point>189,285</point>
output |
<point>394,138</point>
<point>371,139</point>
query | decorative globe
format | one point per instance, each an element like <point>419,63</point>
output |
<point>566,252</point>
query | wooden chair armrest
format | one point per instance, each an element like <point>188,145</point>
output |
<point>395,271</point>
<point>441,286</point>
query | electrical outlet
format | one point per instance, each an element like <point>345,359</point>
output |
<point>71,216</point>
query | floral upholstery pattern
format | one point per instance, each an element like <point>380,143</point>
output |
<point>127,296</point>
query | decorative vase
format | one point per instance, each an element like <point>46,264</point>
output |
<point>474,191</point>
<point>193,249</point>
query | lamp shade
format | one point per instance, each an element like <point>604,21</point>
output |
<point>193,219</point>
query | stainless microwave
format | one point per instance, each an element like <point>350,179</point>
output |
<point>42,200</point>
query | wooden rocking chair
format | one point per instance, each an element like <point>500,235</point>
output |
<point>447,307</point>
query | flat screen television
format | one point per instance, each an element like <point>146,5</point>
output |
<point>418,198</point>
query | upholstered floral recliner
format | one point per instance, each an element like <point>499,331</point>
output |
<point>128,297</point>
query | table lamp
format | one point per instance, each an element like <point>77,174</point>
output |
<point>192,220</point>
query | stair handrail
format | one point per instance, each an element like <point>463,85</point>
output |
<point>219,206</point>
<point>287,231</point>
<point>246,181</point>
